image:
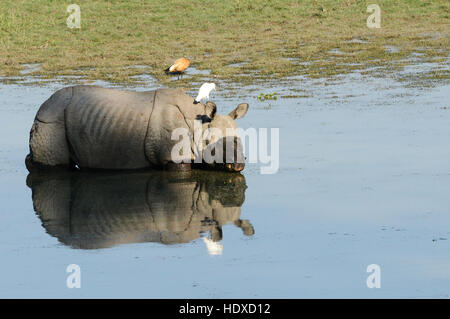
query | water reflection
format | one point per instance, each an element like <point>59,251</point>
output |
<point>98,210</point>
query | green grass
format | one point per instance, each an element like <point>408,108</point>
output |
<point>274,38</point>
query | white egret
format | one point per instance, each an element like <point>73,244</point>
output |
<point>204,91</point>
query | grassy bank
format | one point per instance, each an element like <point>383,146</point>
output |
<point>238,40</point>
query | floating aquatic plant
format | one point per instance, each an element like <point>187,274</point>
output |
<point>267,96</point>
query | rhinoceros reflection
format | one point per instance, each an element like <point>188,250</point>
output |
<point>98,210</point>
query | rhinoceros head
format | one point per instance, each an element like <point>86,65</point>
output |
<point>222,148</point>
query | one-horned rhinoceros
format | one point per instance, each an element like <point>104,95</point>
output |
<point>100,128</point>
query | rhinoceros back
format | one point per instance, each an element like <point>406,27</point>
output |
<point>106,128</point>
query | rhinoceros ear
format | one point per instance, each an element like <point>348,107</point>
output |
<point>239,112</point>
<point>210,109</point>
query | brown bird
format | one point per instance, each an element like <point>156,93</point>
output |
<point>178,66</point>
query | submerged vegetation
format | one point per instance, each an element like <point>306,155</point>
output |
<point>238,40</point>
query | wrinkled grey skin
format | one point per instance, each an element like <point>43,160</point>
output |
<point>104,209</point>
<point>100,128</point>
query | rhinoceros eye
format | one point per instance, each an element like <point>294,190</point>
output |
<point>204,118</point>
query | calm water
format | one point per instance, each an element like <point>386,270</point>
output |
<point>364,179</point>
